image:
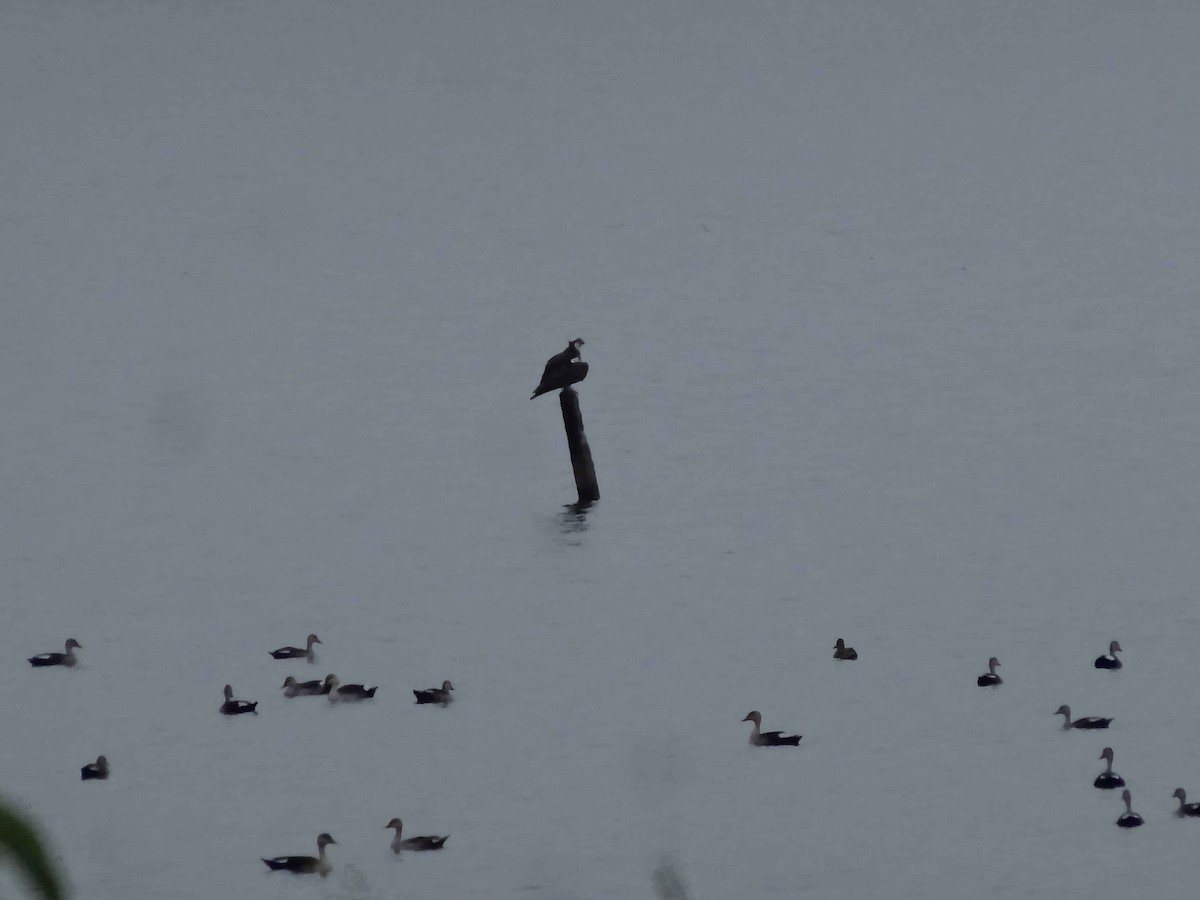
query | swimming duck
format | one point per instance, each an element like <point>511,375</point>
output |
<point>95,771</point>
<point>348,692</point>
<point>1129,819</point>
<point>1108,779</point>
<point>769,738</point>
<point>294,688</point>
<point>57,659</point>
<point>420,842</point>
<point>1185,808</point>
<point>990,677</point>
<point>562,370</point>
<point>1086,722</point>
<point>305,865</point>
<point>296,652</point>
<point>1110,661</point>
<point>841,651</point>
<point>233,707</point>
<point>435,695</point>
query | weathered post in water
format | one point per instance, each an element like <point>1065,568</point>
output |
<point>563,370</point>
<point>581,453</point>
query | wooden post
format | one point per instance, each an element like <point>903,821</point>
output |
<point>581,453</point>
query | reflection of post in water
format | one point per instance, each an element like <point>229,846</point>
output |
<point>581,453</point>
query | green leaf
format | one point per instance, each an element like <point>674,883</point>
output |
<point>18,838</point>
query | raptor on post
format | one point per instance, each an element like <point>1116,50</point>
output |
<point>562,370</point>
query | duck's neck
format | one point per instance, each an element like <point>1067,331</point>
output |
<point>1066,719</point>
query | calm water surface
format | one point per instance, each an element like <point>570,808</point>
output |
<point>888,312</point>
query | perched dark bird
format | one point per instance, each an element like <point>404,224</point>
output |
<point>297,652</point>
<point>1185,808</point>
<point>97,771</point>
<point>1110,661</point>
<point>989,677</point>
<point>305,865</point>
<point>1129,819</point>
<point>841,651</point>
<point>348,692</point>
<point>769,738</point>
<point>233,707</point>
<point>294,688</point>
<point>562,370</point>
<point>1085,722</point>
<point>1108,779</point>
<point>420,842</point>
<point>435,695</point>
<point>58,659</point>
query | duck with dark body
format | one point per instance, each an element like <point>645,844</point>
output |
<point>1109,661</point>
<point>435,695</point>
<point>305,652</point>
<point>233,707</point>
<point>1108,779</point>
<point>294,688</point>
<point>1185,808</point>
<point>769,738</point>
<point>417,842</point>
<point>562,370</point>
<point>305,865</point>
<point>990,678</point>
<point>348,692</point>
<point>66,658</point>
<point>1085,722</point>
<point>841,651</point>
<point>1129,819</point>
<point>97,771</point>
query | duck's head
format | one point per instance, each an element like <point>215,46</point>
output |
<point>228,692</point>
<point>1063,710</point>
<point>324,839</point>
<point>395,823</point>
<point>754,716</point>
<point>72,644</point>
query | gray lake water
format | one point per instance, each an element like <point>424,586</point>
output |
<point>890,310</point>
